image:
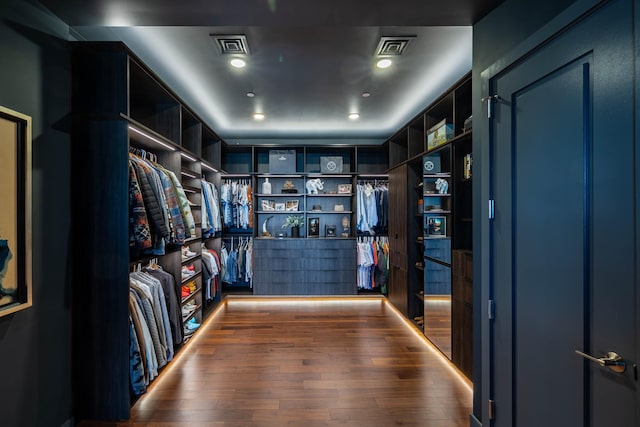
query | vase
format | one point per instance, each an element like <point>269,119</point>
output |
<point>266,186</point>
<point>295,231</point>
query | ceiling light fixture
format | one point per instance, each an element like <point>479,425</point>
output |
<point>251,94</point>
<point>238,63</point>
<point>384,63</point>
<point>258,116</point>
<point>354,116</point>
<point>366,94</point>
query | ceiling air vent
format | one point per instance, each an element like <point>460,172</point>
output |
<point>393,46</point>
<point>231,44</point>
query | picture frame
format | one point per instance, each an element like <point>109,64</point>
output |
<point>15,212</point>
<point>435,226</point>
<point>292,205</point>
<point>268,205</point>
<point>330,230</point>
<point>314,227</point>
<point>280,207</point>
<point>344,188</point>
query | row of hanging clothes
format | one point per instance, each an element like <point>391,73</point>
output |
<point>237,211</point>
<point>159,211</point>
<point>155,323</point>
<point>372,197</point>
<point>373,263</point>
<point>236,260</point>
<point>211,272</point>
<point>211,220</point>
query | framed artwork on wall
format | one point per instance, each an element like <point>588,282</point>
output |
<point>15,211</point>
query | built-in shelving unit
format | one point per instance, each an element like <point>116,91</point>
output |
<point>430,232</point>
<point>119,105</point>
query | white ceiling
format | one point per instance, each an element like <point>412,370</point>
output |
<point>309,62</point>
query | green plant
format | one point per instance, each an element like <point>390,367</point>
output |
<point>293,221</point>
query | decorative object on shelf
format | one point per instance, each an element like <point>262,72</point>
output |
<point>439,134</point>
<point>330,164</point>
<point>338,208</point>
<point>283,234</point>
<point>346,229</point>
<point>344,188</point>
<point>429,187</point>
<point>280,207</point>
<point>313,185</point>
<point>431,164</point>
<point>295,222</point>
<point>289,188</point>
<point>316,208</point>
<point>266,186</point>
<point>466,171</point>
<point>268,205</point>
<point>468,124</point>
<point>420,206</point>
<point>282,161</point>
<point>15,211</point>
<point>292,205</point>
<point>330,230</point>
<point>436,226</point>
<point>442,186</point>
<point>265,232</point>
<point>314,227</point>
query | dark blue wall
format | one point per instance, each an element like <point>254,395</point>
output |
<point>494,37</point>
<point>35,344</point>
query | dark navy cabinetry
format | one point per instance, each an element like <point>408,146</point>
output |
<point>294,266</point>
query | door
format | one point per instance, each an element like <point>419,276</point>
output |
<point>563,234</point>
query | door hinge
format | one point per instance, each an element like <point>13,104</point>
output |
<point>492,410</point>
<point>492,212</point>
<point>489,100</point>
<point>491,309</point>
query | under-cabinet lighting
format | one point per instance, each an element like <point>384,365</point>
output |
<point>188,174</point>
<point>186,156</point>
<point>384,63</point>
<point>209,167</point>
<point>151,138</point>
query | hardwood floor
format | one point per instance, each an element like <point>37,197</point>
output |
<point>306,362</point>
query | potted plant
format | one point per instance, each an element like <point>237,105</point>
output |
<point>295,222</point>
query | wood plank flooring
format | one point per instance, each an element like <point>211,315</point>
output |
<point>301,362</point>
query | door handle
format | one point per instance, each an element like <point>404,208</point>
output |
<point>611,360</point>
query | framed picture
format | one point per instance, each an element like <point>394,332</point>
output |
<point>280,207</point>
<point>314,227</point>
<point>291,205</point>
<point>344,188</point>
<point>435,226</point>
<point>330,230</point>
<point>268,205</point>
<point>15,211</point>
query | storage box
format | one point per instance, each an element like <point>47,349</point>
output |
<point>282,161</point>
<point>439,134</point>
<point>331,164</point>
<point>431,164</point>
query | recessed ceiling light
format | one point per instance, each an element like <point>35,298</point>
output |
<point>251,94</point>
<point>354,116</point>
<point>384,63</point>
<point>366,94</point>
<point>238,63</point>
<point>258,116</point>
